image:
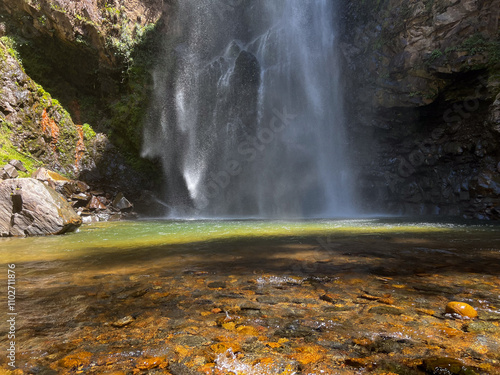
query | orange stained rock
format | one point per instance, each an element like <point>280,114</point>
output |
<point>150,363</point>
<point>50,129</point>
<point>362,342</point>
<point>207,369</point>
<point>247,330</point>
<point>308,354</point>
<point>462,309</point>
<point>75,360</point>
<point>274,345</point>
<point>387,301</point>
<point>267,361</point>
<point>223,347</point>
<point>449,332</point>
<point>182,351</point>
<point>230,326</point>
<point>398,286</point>
<point>426,311</point>
<point>369,297</point>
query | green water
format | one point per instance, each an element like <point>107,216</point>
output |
<point>126,236</point>
<point>177,279</point>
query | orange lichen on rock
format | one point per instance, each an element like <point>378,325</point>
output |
<point>75,360</point>
<point>50,129</point>
<point>461,309</point>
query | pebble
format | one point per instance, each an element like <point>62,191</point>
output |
<point>462,309</point>
<point>123,322</point>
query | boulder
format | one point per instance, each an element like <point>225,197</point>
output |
<point>122,203</point>
<point>96,204</point>
<point>8,171</point>
<point>28,207</point>
<point>18,165</point>
<point>45,175</point>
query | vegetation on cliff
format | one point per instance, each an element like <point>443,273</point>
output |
<point>95,57</point>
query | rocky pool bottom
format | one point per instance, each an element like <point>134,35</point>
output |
<point>255,297</point>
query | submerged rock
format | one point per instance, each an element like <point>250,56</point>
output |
<point>461,309</point>
<point>386,310</point>
<point>30,208</point>
<point>448,366</point>
<point>125,321</point>
<point>482,327</point>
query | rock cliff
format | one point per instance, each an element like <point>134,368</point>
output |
<point>92,56</point>
<point>424,85</point>
<point>34,126</point>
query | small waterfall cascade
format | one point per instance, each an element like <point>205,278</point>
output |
<point>248,119</point>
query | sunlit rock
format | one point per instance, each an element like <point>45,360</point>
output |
<point>30,208</point>
<point>461,309</point>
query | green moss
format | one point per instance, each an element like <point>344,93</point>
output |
<point>478,44</point>
<point>11,46</point>
<point>85,20</point>
<point>435,55</point>
<point>88,132</point>
<point>57,8</point>
<point>8,151</point>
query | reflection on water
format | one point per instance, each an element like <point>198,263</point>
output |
<point>255,297</point>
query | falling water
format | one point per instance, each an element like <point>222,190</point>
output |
<point>248,119</point>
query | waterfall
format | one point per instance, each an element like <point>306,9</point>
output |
<point>248,120</point>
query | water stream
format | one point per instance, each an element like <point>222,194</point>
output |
<point>251,124</point>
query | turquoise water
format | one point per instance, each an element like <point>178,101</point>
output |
<point>120,237</point>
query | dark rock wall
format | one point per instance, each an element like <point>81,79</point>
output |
<point>424,82</point>
<point>93,57</point>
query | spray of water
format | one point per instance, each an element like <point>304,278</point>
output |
<point>251,122</point>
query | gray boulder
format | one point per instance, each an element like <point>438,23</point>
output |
<point>18,165</point>
<point>28,207</point>
<point>8,171</point>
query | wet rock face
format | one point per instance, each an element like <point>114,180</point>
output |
<point>423,96</point>
<point>28,207</point>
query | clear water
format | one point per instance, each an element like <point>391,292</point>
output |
<point>124,237</point>
<point>71,289</point>
<point>252,122</point>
